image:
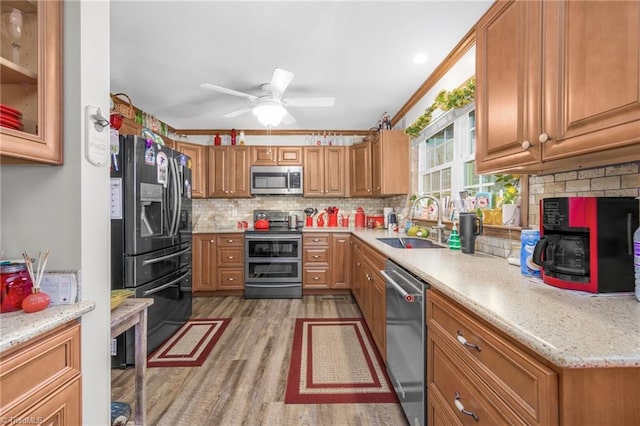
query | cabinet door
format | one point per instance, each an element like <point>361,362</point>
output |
<point>508,55</point>
<point>356,270</point>
<point>31,83</point>
<point>341,260</point>
<point>218,172</point>
<point>591,77</point>
<point>376,166</point>
<point>335,171</point>
<point>378,312</point>
<point>204,262</point>
<point>361,170</point>
<point>290,155</point>
<point>263,155</point>
<point>239,172</point>
<point>314,175</point>
<point>198,155</point>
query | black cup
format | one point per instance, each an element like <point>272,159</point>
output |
<point>470,227</point>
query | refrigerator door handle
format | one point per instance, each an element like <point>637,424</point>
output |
<point>176,197</point>
<point>169,284</point>
<point>161,258</point>
<point>179,185</point>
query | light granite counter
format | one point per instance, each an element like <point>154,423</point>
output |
<point>570,329</point>
<point>18,327</point>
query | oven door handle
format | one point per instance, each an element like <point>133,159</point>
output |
<point>169,284</point>
<point>409,297</point>
<point>161,258</point>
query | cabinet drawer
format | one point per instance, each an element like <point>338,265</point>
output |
<point>316,255</point>
<point>230,279</point>
<point>523,382</point>
<point>376,259</point>
<point>451,381</point>
<point>37,368</point>
<point>316,240</point>
<point>230,240</point>
<point>315,277</point>
<point>232,256</point>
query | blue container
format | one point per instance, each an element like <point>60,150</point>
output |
<point>528,239</point>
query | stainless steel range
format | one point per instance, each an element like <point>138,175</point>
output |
<point>273,256</point>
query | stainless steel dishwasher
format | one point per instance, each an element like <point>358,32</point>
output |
<point>406,338</point>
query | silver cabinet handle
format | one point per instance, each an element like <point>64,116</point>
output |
<point>526,145</point>
<point>460,408</point>
<point>464,342</point>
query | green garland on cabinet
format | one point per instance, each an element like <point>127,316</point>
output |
<point>445,100</point>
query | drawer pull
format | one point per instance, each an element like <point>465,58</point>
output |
<point>316,278</point>
<point>229,241</point>
<point>229,257</point>
<point>460,408</point>
<point>230,279</point>
<point>464,342</point>
<point>315,240</point>
<point>315,256</point>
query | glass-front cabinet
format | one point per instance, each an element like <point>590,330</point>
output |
<point>31,82</point>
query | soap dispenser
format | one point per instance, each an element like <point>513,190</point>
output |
<point>454,238</point>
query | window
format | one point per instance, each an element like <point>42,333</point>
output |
<point>446,162</point>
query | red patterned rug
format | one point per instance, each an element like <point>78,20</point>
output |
<point>335,361</point>
<point>190,345</point>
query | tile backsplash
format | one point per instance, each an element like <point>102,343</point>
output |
<point>227,212</point>
<point>622,180</point>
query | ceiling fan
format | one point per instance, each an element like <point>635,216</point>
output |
<point>269,107</point>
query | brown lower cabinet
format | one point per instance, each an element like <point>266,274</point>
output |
<point>477,375</point>
<point>326,261</point>
<point>368,288</point>
<point>218,262</point>
<point>41,379</point>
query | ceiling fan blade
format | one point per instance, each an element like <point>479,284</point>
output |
<point>288,119</point>
<point>309,102</point>
<point>280,81</point>
<point>236,113</point>
<point>228,91</point>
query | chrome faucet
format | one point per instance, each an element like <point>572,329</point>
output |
<point>439,227</point>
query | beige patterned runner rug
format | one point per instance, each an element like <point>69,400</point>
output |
<point>190,345</point>
<point>336,361</point>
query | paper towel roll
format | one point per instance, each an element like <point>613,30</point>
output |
<point>385,215</point>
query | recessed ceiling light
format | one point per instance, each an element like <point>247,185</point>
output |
<point>420,58</point>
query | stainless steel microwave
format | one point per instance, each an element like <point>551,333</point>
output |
<point>276,180</point>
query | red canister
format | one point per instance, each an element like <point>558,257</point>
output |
<point>16,285</point>
<point>359,217</point>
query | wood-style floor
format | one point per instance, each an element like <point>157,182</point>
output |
<point>243,380</point>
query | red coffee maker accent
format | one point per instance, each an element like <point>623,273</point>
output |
<point>585,243</point>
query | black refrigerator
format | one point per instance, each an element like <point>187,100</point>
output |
<point>151,230</point>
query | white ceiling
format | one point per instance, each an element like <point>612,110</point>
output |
<point>361,53</point>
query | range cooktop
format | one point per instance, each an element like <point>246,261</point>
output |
<point>278,221</point>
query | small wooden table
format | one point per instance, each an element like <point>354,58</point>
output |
<point>133,313</point>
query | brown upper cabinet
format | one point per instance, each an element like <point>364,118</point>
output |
<point>31,83</point>
<point>380,167</point>
<point>276,155</point>
<point>198,155</point>
<point>325,171</point>
<point>558,85</point>
<point>228,172</point>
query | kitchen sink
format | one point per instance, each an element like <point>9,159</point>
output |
<point>410,242</point>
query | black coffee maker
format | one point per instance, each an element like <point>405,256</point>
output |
<point>586,243</point>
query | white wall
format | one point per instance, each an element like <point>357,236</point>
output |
<point>66,209</point>
<point>457,74</point>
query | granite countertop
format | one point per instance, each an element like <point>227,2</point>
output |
<point>18,327</point>
<point>570,329</point>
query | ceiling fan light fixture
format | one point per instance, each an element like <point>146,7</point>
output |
<point>270,113</point>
